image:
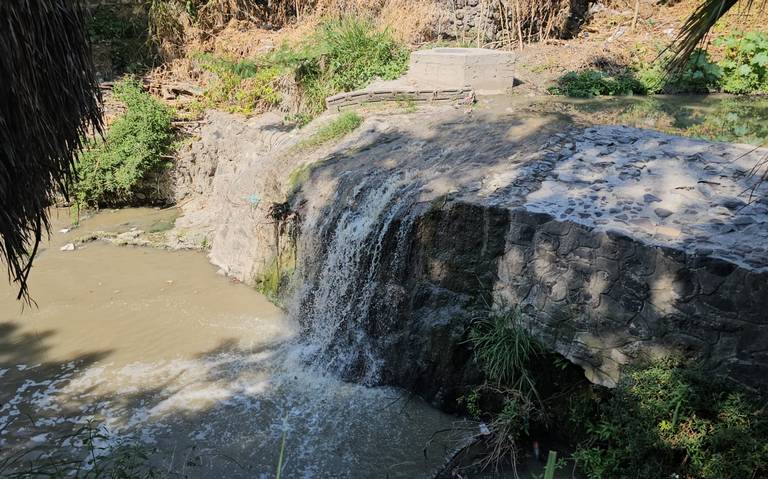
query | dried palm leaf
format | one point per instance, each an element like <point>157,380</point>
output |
<point>49,103</point>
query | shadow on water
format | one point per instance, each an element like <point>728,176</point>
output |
<point>153,347</point>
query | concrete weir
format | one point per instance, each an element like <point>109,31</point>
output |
<point>618,244</point>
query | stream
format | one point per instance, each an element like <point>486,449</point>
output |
<point>153,347</point>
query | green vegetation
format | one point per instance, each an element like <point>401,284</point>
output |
<point>745,67</point>
<point>588,83</point>
<point>503,349</point>
<point>112,171</point>
<point>743,70</point>
<point>666,419</point>
<point>125,35</point>
<point>100,456</point>
<point>699,75</point>
<point>344,124</point>
<point>509,400</point>
<point>343,55</point>
<point>669,420</point>
<point>241,86</point>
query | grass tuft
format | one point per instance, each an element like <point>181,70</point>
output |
<point>344,124</point>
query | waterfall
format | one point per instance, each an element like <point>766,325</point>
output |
<point>350,250</point>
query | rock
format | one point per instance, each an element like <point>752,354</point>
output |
<point>743,220</point>
<point>68,247</point>
<point>662,212</point>
<point>733,203</point>
<point>650,198</point>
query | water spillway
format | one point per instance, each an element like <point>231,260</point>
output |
<point>616,242</point>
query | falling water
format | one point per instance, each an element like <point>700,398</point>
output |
<point>348,258</point>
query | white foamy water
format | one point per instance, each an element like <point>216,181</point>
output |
<point>342,253</point>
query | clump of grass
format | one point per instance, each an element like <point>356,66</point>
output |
<point>343,55</point>
<point>503,348</point>
<point>344,124</point>
<point>112,171</point>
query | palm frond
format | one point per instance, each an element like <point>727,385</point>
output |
<point>696,28</point>
<point>50,102</point>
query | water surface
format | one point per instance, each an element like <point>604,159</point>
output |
<point>153,346</point>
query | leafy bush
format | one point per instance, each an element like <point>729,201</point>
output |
<point>343,55</point>
<point>111,171</point>
<point>699,75</point>
<point>589,83</point>
<point>745,66</point>
<point>667,420</point>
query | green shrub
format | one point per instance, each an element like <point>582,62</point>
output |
<point>667,420</point>
<point>343,55</point>
<point>111,171</point>
<point>745,66</point>
<point>590,83</point>
<point>699,75</point>
<point>653,78</point>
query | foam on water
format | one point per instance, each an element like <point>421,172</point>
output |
<point>342,248</point>
<point>157,348</point>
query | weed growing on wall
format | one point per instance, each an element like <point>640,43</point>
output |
<point>341,126</point>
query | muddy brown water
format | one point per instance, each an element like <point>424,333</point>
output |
<point>155,348</point>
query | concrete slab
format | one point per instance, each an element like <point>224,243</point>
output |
<point>482,69</point>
